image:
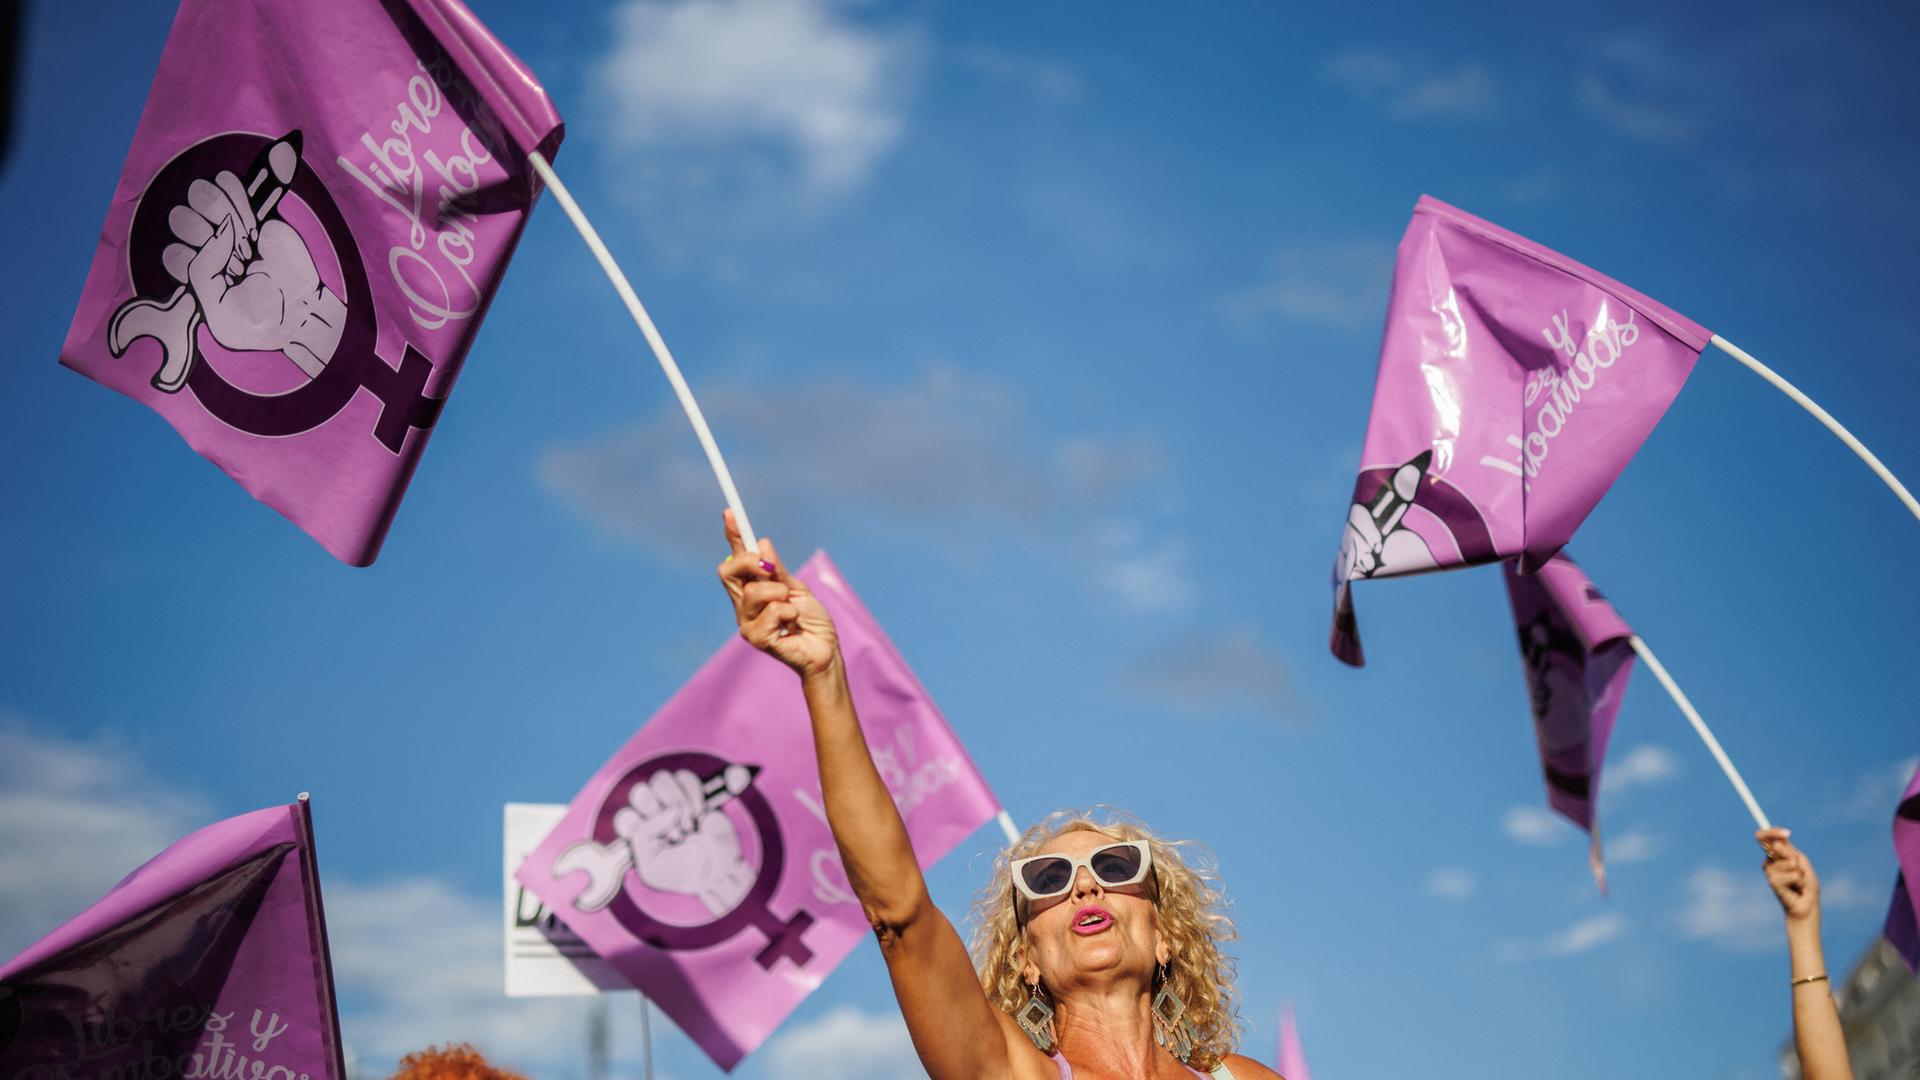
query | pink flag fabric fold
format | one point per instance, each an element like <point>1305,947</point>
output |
<point>1514,385</point>
<point>1903,929</point>
<point>698,861</point>
<point>316,210</point>
<point>1293,1059</point>
<point>210,960</point>
<point>1576,652</point>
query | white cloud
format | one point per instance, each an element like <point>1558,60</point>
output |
<point>1097,471</point>
<point>420,964</point>
<point>1641,87</point>
<point>1534,187</point>
<point>952,448</point>
<point>1845,892</point>
<point>1583,936</point>
<point>1586,935</point>
<point>1156,580</point>
<point>1643,766</point>
<point>847,1044</point>
<point>1535,826</point>
<point>1732,910</point>
<point>1452,884</point>
<point>1407,89</point>
<point>1632,846</point>
<point>1366,73</point>
<point>1464,91</point>
<point>1877,793</point>
<point>1342,284</point>
<point>75,817</point>
<point>1046,80</point>
<point>1649,118</point>
<point>1215,672</point>
<point>1145,572</point>
<point>416,962</point>
<point>801,76</point>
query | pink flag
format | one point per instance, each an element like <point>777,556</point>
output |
<point>1903,929</point>
<point>1577,657</point>
<point>1293,1060</point>
<point>698,862</point>
<point>1514,385</point>
<point>209,961</point>
<point>318,205</point>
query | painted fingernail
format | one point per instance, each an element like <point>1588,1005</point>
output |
<point>767,566</point>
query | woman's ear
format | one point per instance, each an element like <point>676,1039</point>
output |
<point>1162,952</point>
<point>1029,971</point>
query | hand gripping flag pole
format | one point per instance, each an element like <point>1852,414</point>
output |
<point>1825,418</point>
<point>641,319</point>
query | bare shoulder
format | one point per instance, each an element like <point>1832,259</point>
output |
<point>1245,1068</point>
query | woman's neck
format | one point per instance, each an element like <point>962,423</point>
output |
<point>1109,1032</point>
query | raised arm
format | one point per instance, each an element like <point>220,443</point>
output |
<point>956,1031</point>
<point>1817,1036</point>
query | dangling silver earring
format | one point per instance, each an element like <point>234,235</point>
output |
<point>1036,1019</point>
<point>1169,1029</point>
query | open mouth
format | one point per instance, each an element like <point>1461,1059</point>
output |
<point>1091,920</point>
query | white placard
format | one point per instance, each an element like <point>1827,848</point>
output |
<point>544,958</point>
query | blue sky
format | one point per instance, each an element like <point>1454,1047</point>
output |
<point>1056,324</point>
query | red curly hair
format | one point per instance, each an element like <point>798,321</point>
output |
<point>460,1062</point>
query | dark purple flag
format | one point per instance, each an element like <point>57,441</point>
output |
<point>1902,928</point>
<point>1575,648</point>
<point>208,961</point>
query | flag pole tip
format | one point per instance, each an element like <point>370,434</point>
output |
<point>304,797</point>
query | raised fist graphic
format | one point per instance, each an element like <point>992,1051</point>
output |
<point>681,844</point>
<point>244,272</point>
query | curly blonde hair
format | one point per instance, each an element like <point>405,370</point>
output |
<point>1190,912</point>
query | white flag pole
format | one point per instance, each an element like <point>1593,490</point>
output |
<point>640,317</point>
<point>1700,728</point>
<point>646,1038</point>
<point>1824,417</point>
<point>652,334</point>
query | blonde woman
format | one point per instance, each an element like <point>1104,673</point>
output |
<point>1098,947</point>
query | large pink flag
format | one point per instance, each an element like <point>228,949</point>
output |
<point>1903,929</point>
<point>208,961</point>
<point>1293,1058</point>
<point>1577,657</point>
<point>316,210</point>
<point>698,862</point>
<point>1514,385</point>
